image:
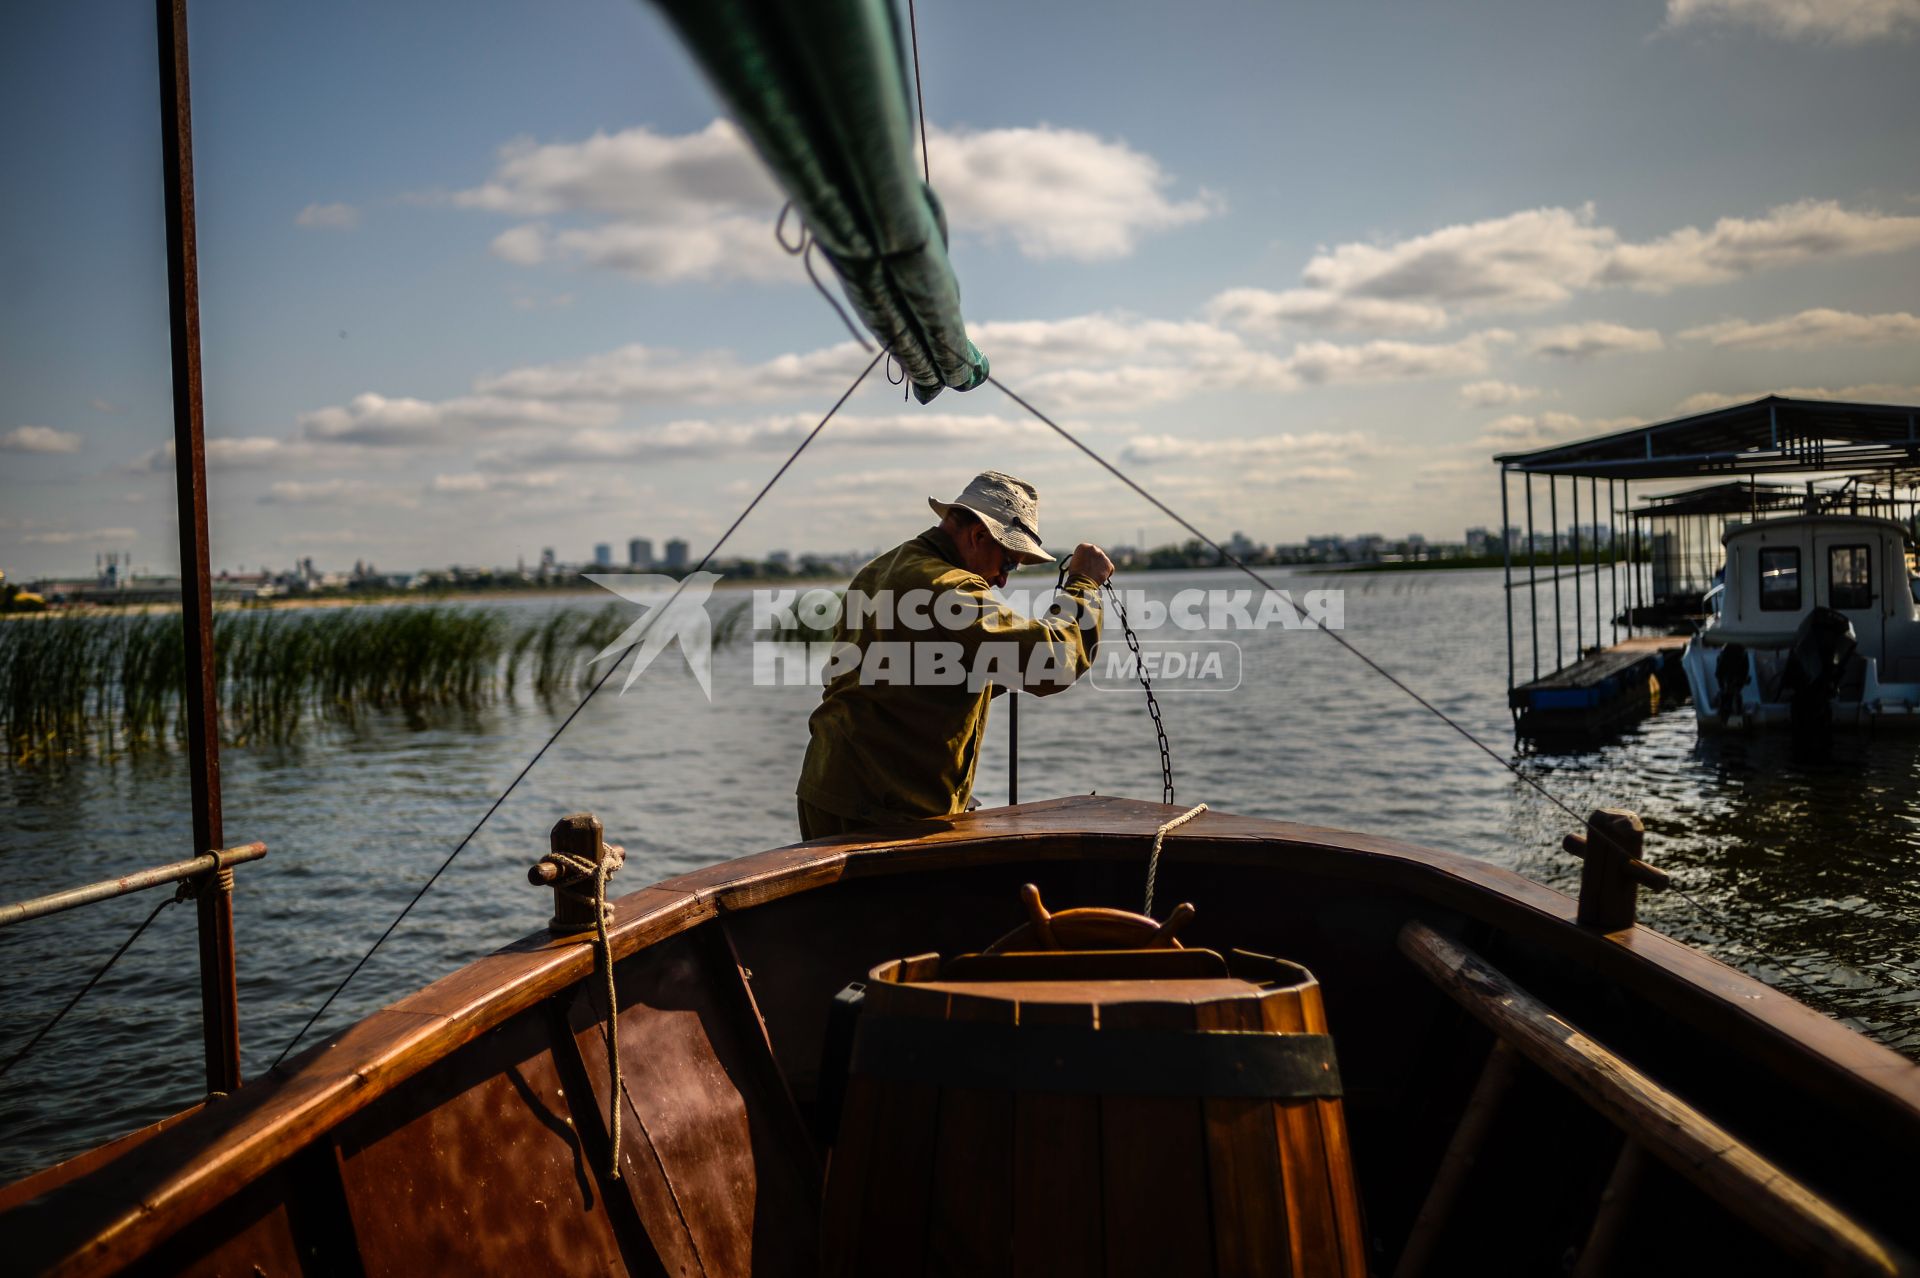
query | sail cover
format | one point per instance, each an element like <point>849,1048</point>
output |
<point>820,86</point>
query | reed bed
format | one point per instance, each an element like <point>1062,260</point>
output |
<point>83,684</point>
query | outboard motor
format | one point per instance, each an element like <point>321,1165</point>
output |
<point>1730,673</point>
<point>1822,649</point>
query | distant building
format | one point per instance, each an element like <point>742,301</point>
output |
<point>1366,548</point>
<point>547,561</point>
<point>1324,546</point>
<point>1240,547</point>
<point>676,553</point>
<point>603,555</point>
<point>639,553</point>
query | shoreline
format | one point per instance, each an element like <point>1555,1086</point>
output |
<point>588,591</point>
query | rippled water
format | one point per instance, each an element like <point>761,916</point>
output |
<point>1812,860</point>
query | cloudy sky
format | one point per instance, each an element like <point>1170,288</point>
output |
<point>483,278</point>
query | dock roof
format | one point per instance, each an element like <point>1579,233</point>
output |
<point>1772,435</point>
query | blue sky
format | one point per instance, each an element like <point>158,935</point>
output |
<point>479,279</point>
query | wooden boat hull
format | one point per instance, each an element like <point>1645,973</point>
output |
<point>466,1125</point>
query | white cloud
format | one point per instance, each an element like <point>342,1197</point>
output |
<point>1149,449</point>
<point>1870,393</point>
<point>700,438</point>
<point>1105,362</point>
<point>699,206</point>
<point>1536,430</point>
<point>115,536</point>
<point>636,174</point>
<point>1095,363</point>
<point>1529,259</point>
<point>375,419</point>
<point>335,492</point>
<point>474,484</point>
<point>522,245</point>
<point>1056,192</point>
<point>1538,258</point>
<point>1494,394</point>
<point>638,374</point>
<point>1324,362</point>
<point>1809,329</point>
<point>1260,311</point>
<point>327,217</point>
<point>1590,339</point>
<point>39,439</point>
<point>326,537</point>
<point>1838,21</point>
<point>232,452</point>
<point>1734,246</point>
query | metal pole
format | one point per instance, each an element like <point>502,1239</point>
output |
<point>219,994</point>
<point>1613,561</point>
<point>1579,626</point>
<point>1633,562</point>
<point>1506,563</point>
<point>1533,589</point>
<point>138,881</point>
<point>1553,531</point>
<point>1593,513</point>
<point>1013,746</point>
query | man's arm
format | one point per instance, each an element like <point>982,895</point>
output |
<point>1040,655</point>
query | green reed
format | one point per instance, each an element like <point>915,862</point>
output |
<point>79,684</point>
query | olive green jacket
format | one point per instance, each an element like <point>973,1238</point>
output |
<point>885,746</point>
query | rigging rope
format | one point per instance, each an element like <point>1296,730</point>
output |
<point>803,249</point>
<point>919,98</point>
<point>1160,837</point>
<point>639,636</point>
<point>1153,707</point>
<point>180,895</point>
<point>1228,557</point>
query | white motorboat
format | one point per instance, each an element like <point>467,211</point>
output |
<point>1814,623</point>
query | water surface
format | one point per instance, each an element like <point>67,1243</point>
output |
<point>1811,860</point>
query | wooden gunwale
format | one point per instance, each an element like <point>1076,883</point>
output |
<point>123,1210</point>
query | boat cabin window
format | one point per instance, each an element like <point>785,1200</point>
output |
<point>1849,577</point>
<point>1780,579</point>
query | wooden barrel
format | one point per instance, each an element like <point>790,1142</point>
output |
<point>1157,1112</point>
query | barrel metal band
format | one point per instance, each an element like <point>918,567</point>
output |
<point>1080,1060</point>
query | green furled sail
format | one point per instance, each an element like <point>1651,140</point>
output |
<point>820,87</point>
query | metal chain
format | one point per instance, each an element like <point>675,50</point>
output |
<point>1146,683</point>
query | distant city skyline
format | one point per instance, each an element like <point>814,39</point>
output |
<point>486,278</point>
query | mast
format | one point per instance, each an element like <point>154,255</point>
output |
<point>219,996</point>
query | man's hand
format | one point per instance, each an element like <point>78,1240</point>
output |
<point>1089,560</point>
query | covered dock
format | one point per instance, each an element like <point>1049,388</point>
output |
<point>1590,592</point>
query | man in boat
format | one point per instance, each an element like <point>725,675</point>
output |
<point>897,734</point>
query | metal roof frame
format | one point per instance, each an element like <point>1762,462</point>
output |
<point>1771,435</point>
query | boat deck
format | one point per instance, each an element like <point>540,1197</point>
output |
<point>1601,692</point>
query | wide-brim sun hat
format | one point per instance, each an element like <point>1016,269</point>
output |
<point>1009,507</point>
